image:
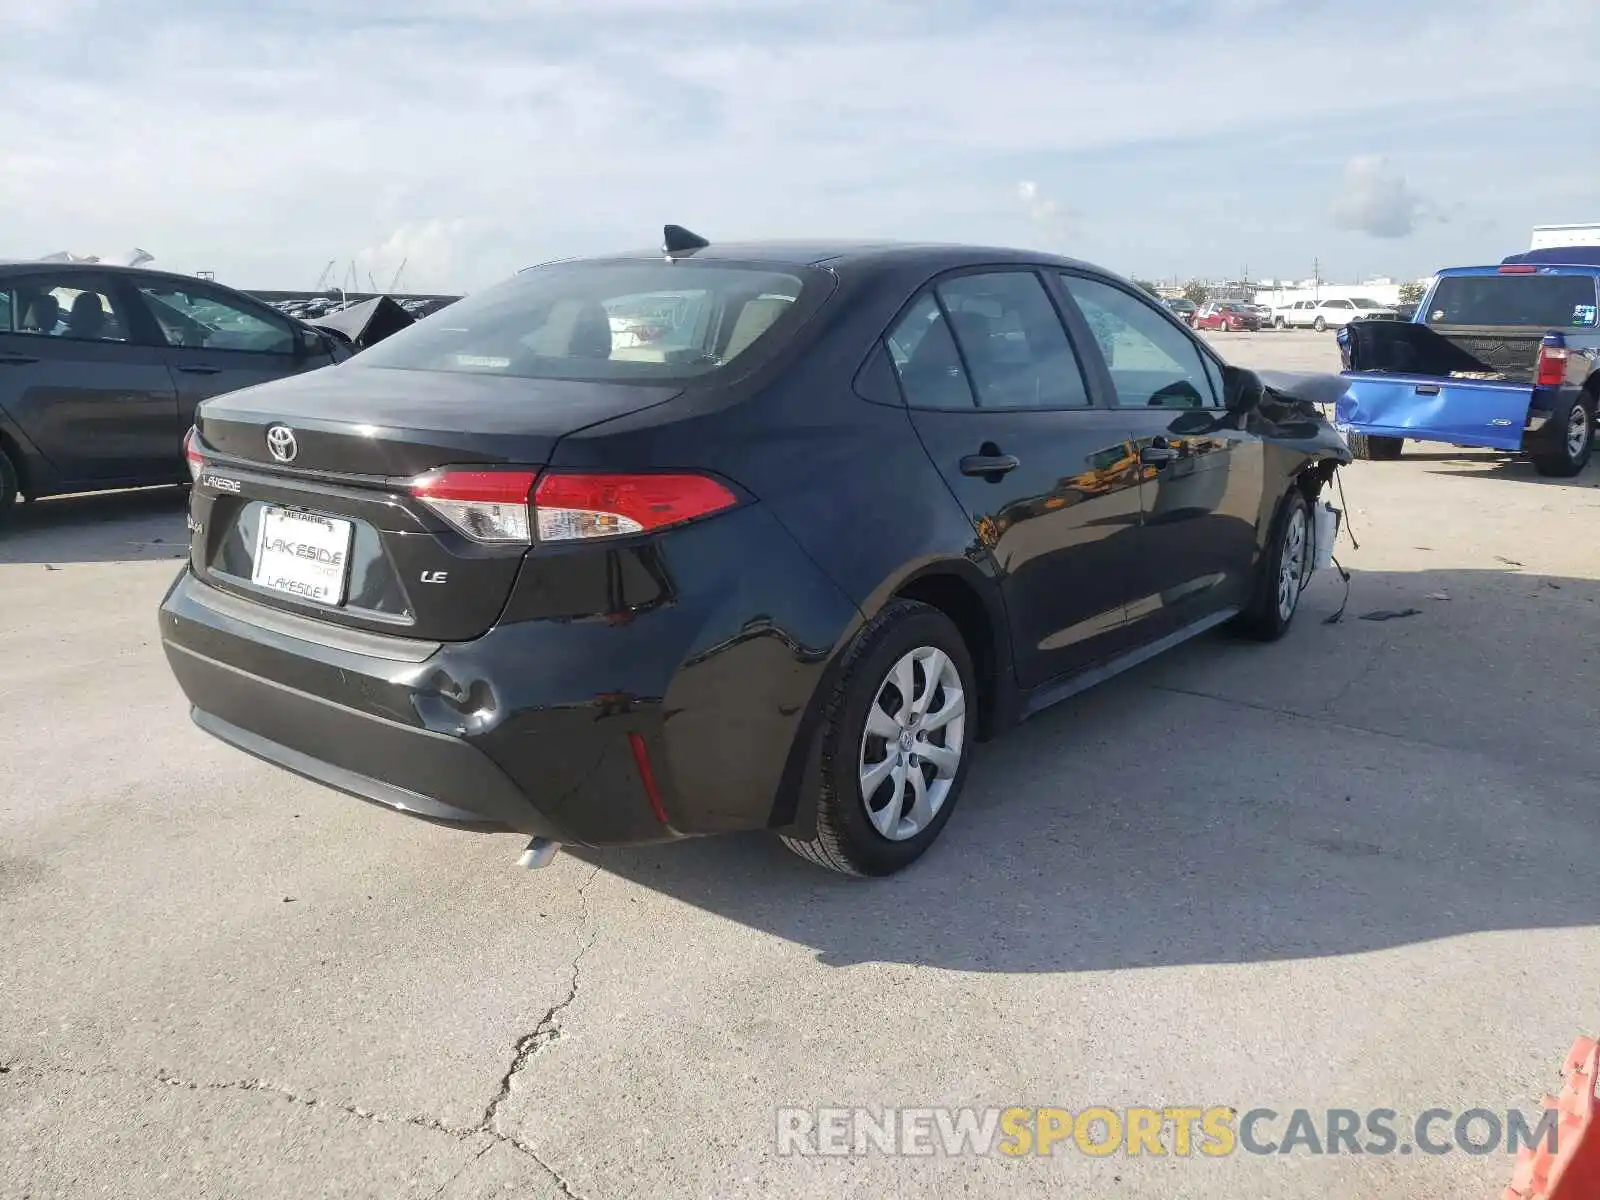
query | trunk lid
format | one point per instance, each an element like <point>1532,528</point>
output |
<point>360,420</point>
<point>1462,412</point>
<point>334,532</point>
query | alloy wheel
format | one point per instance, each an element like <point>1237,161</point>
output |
<point>1292,563</point>
<point>912,745</point>
<point>1579,424</point>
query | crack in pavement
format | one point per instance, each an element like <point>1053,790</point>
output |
<point>445,1186</point>
<point>526,1048</point>
<point>547,1030</point>
<point>530,1044</point>
<point>1373,662</point>
<point>417,1120</point>
<point>1318,718</point>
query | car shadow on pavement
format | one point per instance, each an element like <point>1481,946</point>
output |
<point>1510,466</point>
<point>97,527</point>
<point>1407,774</point>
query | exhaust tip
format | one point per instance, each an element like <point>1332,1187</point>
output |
<point>539,853</point>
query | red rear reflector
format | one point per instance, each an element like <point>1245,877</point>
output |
<point>486,505</point>
<point>1552,366</point>
<point>1518,269</point>
<point>641,760</point>
<point>191,454</point>
<point>571,506</point>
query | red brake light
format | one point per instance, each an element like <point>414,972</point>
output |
<point>571,507</point>
<point>486,505</point>
<point>1518,269</point>
<point>192,455</point>
<point>1552,366</point>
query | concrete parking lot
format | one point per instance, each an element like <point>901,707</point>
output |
<point>1353,869</point>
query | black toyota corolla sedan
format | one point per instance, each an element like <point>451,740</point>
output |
<point>729,537</point>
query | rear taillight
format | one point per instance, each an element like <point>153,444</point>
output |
<point>192,455</point>
<point>573,507</point>
<point>486,505</point>
<point>1552,366</point>
<point>1518,269</point>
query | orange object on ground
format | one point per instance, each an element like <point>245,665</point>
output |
<point>1573,1171</point>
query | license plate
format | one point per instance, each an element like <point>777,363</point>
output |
<point>302,554</point>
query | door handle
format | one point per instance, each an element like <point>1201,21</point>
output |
<point>201,370</point>
<point>1157,455</point>
<point>16,360</point>
<point>991,466</point>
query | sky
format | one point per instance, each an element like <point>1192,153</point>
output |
<point>469,138</point>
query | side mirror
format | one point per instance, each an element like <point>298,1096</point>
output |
<point>309,344</point>
<point>1242,390</point>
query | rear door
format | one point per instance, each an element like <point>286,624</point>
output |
<point>1001,403</point>
<point>1202,477</point>
<point>216,342</point>
<point>76,380</point>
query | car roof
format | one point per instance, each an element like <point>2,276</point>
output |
<point>11,265</point>
<point>848,254</point>
<point>1538,269</point>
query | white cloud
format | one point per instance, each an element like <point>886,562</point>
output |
<point>488,134</point>
<point>1377,201</point>
<point>1046,214</point>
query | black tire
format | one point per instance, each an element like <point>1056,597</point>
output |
<point>1375,449</point>
<point>1280,323</point>
<point>1563,462</point>
<point>846,840</point>
<point>1264,619</point>
<point>1320,325</point>
<point>8,486</point>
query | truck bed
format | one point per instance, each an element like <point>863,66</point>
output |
<point>1404,348</point>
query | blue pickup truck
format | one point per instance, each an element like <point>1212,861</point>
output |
<point>1505,357</point>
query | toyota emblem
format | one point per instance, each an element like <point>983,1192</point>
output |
<point>281,443</point>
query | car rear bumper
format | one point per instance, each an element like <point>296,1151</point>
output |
<point>348,714</point>
<point>547,727</point>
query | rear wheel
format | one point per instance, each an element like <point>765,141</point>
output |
<point>1377,449</point>
<point>1576,433</point>
<point>1285,570</point>
<point>896,741</point>
<point>8,486</point>
<point>1319,325</point>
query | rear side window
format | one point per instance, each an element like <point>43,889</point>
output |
<point>74,307</point>
<point>1543,301</point>
<point>639,322</point>
<point>1016,349</point>
<point>926,359</point>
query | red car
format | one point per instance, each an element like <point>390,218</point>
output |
<point>1227,315</point>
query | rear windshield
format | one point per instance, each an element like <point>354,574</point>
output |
<point>1360,303</point>
<point>643,322</point>
<point>1545,301</point>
